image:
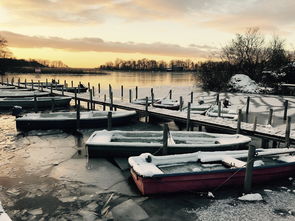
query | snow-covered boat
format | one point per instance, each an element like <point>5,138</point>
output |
<point>6,87</point>
<point>167,103</point>
<point>73,89</point>
<point>230,112</point>
<point>128,143</point>
<point>17,93</point>
<point>29,102</point>
<point>68,120</point>
<point>206,171</point>
<point>197,108</point>
<point>142,101</point>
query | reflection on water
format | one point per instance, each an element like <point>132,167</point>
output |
<point>116,79</point>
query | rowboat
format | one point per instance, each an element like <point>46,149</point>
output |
<point>12,93</point>
<point>128,143</point>
<point>29,102</point>
<point>142,101</point>
<point>230,112</point>
<point>73,89</point>
<point>6,87</point>
<point>68,120</point>
<point>166,103</point>
<point>197,108</point>
<point>203,171</point>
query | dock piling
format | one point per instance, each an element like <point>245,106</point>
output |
<point>180,103</point>
<point>192,97</point>
<point>78,116</point>
<point>285,109</point>
<point>109,120</point>
<point>249,169</point>
<point>288,131</point>
<point>146,109</point>
<point>248,104</point>
<point>136,92</point>
<point>255,123</point>
<point>170,94</point>
<point>219,108</point>
<point>217,98</point>
<point>239,121</point>
<point>270,116</point>
<point>122,92</point>
<point>75,97</point>
<point>111,100</point>
<point>188,116</point>
<point>104,102</point>
<point>165,139</point>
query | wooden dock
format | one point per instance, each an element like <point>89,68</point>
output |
<point>259,131</point>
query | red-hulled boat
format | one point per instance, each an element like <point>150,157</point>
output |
<point>206,171</point>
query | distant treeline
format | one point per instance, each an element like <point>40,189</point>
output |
<point>150,65</point>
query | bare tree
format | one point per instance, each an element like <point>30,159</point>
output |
<point>4,52</point>
<point>246,51</point>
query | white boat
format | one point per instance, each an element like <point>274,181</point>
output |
<point>6,87</point>
<point>12,93</point>
<point>128,143</point>
<point>197,108</point>
<point>29,102</point>
<point>68,120</point>
<point>167,103</point>
<point>230,112</point>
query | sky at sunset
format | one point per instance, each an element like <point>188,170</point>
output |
<point>88,33</point>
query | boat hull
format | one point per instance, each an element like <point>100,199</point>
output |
<point>42,102</point>
<point>71,123</point>
<point>209,180</point>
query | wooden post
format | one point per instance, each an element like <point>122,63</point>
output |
<point>180,103</point>
<point>146,109</point>
<point>42,88</point>
<point>18,82</point>
<point>109,120</point>
<point>153,97</point>
<point>78,116</point>
<point>136,92</point>
<point>72,83</point>
<point>65,84</point>
<point>270,116</point>
<point>239,121</point>
<point>51,89</point>
<point>93,91</point>
<point>75,97</point>
<point>32,84</point>
<point>35,104</point>
<point>88,85</point>
<point>25,83</point>
<point>217,98</point>
<point>192,97</point>
<point>46,83</point>
<point>288,131</point>
<point>90,98</point>
<point>111,99</point>
<point>62,90</point>
<point>219,108</point>
<point>110,90</point>
<point>188,116</point>
<point>285,109</point>
<point>248,104</point>
<point>165,140</point>
<point>130,95</point>
<point>249,169</point>
<point>152,92</point>
<point>104,102</point>
<point>79,85</point>
<point>98,88</point>
<point>170,94</point>
<point>122,92</point>
<point>255,123</point>
<point>52,104</point>
<point>58,81</point>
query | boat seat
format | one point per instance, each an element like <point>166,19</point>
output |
<point>233,162</point>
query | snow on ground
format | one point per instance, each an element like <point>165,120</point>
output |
<point>251,197</point>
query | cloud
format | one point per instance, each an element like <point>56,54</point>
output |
<point>99,45</point>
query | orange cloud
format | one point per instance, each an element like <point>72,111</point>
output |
<point>99,45</point>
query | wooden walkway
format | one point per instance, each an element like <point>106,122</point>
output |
<point>261,131</point>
